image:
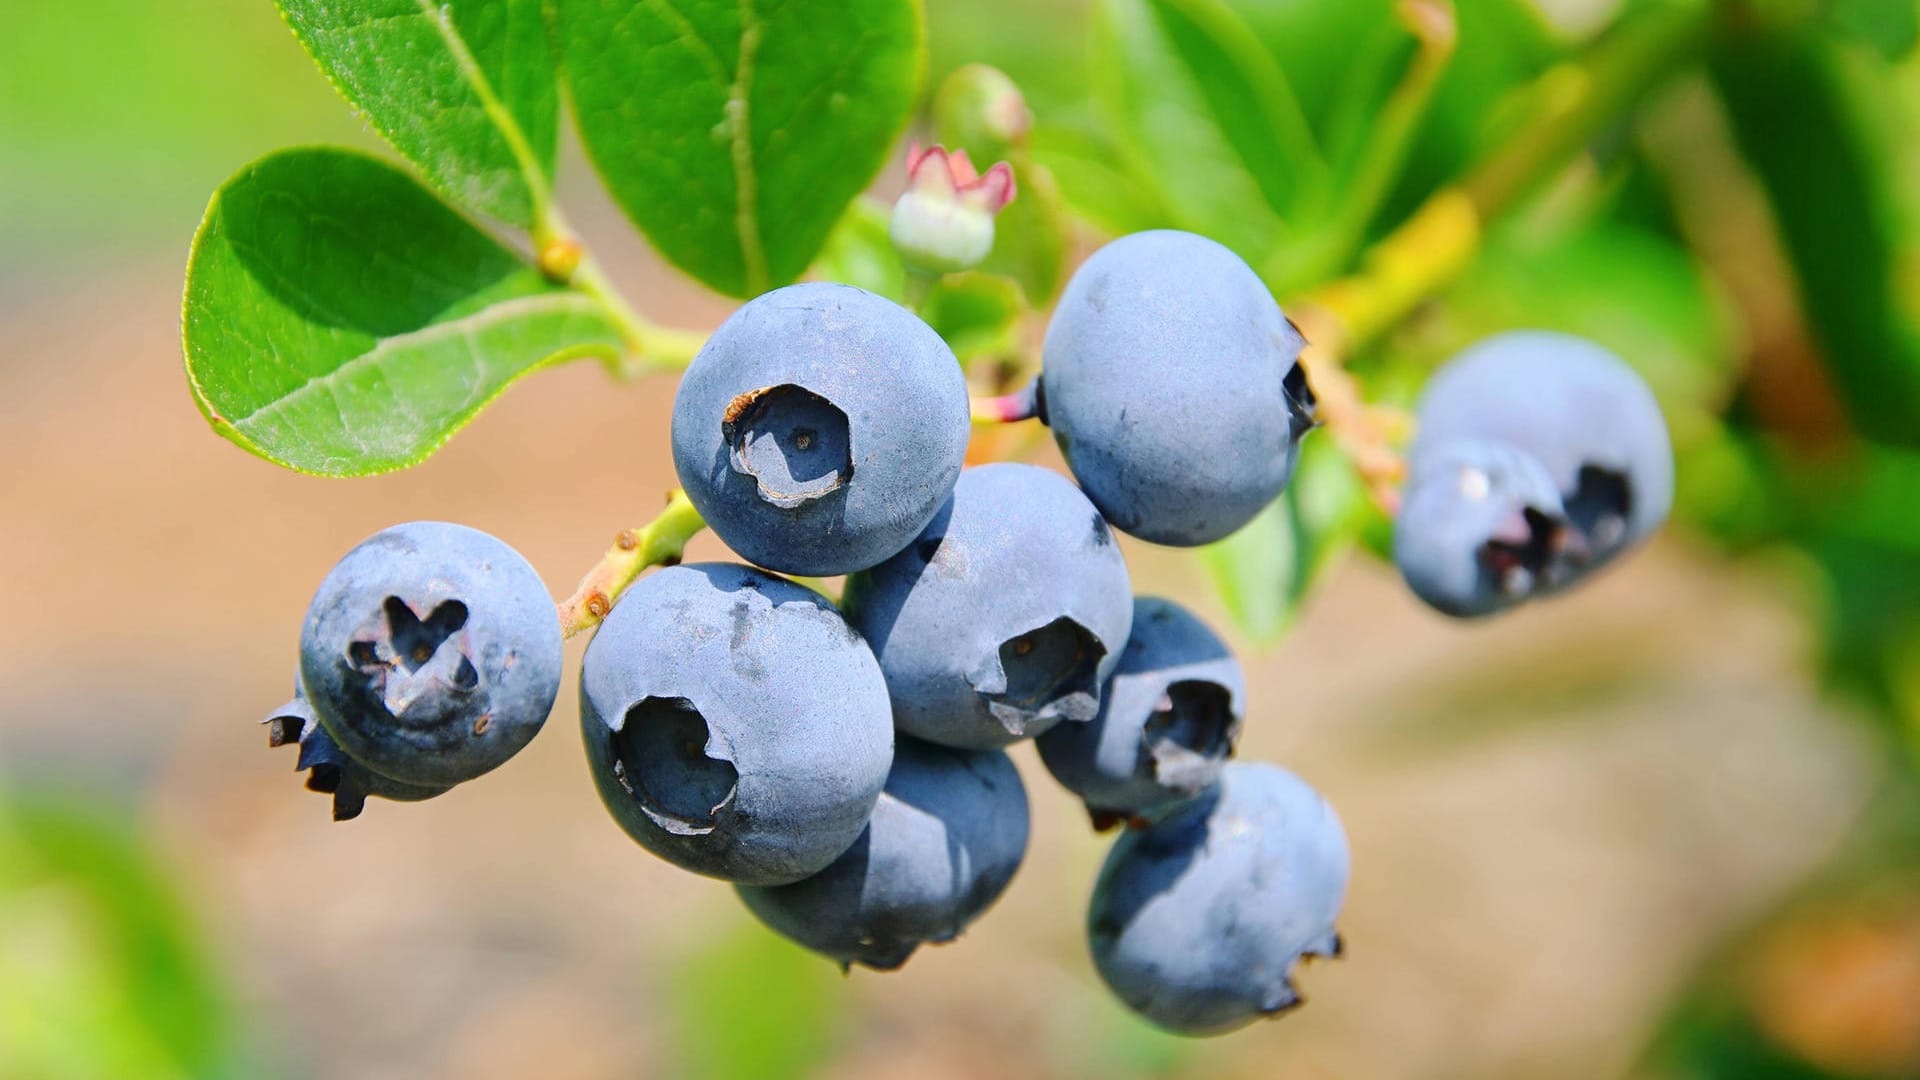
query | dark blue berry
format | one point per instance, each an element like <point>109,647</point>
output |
<point>1004,617</point>
<point>735,724</point>
<point>1168,720</point>
<point>1172,384</point>
<point>945,839</point>
<point>819,429</point>
<point>1481,528</point>
<point>431,653</point>
<point>1502,423</point>
<point>1199,921</point>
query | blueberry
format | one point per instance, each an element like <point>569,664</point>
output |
<point>819,429</point>
<point>1481,528</point>
<point>1169,718</point>
<point>735,724</point>
<point>329,769</point>
<point>945,839</point>
<point>431,653</point>
<point>1004,617</point>
<point>1579,410</point>
<point>1198,921</point>
<point>1172,383</point>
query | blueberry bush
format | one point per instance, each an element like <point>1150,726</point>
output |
<point>1423,281</point>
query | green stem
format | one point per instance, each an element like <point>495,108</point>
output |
<point>561,254</point>
<point>919,287</point>
<point>660,542</point>
<point>649,344</point>
<point>1011,408</point>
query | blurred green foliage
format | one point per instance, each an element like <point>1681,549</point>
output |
<point>1265,569</point>
<point>103,973</point>
<point>1820,120</point>
<point>119,117</point>
<point>787,1024</point>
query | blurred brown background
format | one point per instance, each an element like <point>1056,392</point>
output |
<point>1555,817</point>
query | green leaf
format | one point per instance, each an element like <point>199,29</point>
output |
<point>1503,46</point>
<point>1891,27</point>
<point>976,313</point>
<point>103,970</point>
<point>1258,571</point>
<point>342,321</point>
<point>1376,63</point>
<point>1208,115</point>
<point>465,89</point>
<point>1816,123</point>
<point>1319,43</point>
<point>1095,182</point>
<point>1344,55</point>
<point>1870,627</point>
<point>734,132</point>
<point>1265,570</point>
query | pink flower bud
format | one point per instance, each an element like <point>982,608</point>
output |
<point>944,222</point>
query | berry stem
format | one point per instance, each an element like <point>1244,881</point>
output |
<point>565,260</point>
<point>1021,404</point>
<point>649,344</point>
<point>659,542</point>
<point>1367,434</point>
<point>919,287</point>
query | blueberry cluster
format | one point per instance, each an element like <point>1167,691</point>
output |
<point>845,766</point>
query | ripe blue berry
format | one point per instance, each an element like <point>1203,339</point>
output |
<point>1171,381</point>
<point>1481,528</point>
<point>1004,617</point>
<point>329,770</point>
<point>944,841</point>
<point>431,653</point>
<point>1168,720</point>
<point>1198,921</point>
<point>1579,410</point>
<point>735,724</point>
<point>820,428</point>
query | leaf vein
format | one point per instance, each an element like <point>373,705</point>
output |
<point>746,187</point>
<point>716,67</point>
<point>538,193</point>
<point>327,382</point>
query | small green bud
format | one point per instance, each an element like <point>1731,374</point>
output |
<point>979,108</point>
